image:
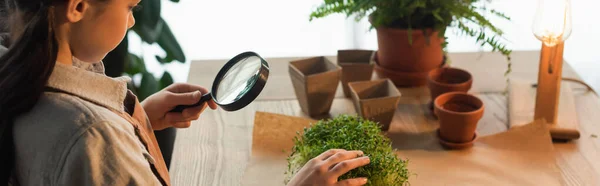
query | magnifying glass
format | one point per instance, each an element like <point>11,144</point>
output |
<point>237,84</point>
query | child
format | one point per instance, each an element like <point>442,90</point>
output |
<point>63,122</point>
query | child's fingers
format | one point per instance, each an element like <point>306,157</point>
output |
<point>212,104</point>
<point>189,114</point>
<point>352,182</point>
<point>174,117</point>
<point>193,113</point>
<point>182,124</point>
<point>188,98</point>
<point>347,165</point>
<point>186,87</point>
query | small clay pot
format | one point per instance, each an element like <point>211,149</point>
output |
<point>357,65</point>
<point>444,80</point>
<point>398,54</point>
<point>459,114</point>
<point>315,83</point>
<point>376,100</point>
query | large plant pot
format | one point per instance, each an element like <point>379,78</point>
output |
<point>315,82</point>
<point>459,114</point>
<point>396,54</point>
<point>444,80</point>
<point>357,65</point>
<point>376,100</point>
<point>403,79</point>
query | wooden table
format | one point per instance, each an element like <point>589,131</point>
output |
<point>216,149</point>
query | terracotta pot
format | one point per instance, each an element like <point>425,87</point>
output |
<point>451,145</point>
<point>357,65</point>
<point>459,114</point>
<point>444,80</point>
<point>315,82</point>
<point>376,100</point>
<point>397,54</point>
<point>403,79</point>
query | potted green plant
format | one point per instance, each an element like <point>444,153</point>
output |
<point>352,133</point>
<point>411,33</point>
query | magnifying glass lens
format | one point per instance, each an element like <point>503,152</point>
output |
<point>240,78</point>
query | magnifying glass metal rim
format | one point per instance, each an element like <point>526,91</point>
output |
<point>247,98</point>
<point>254,91</point>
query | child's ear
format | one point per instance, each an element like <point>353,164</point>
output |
<point>76,10</point>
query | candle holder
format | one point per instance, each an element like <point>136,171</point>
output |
<point>552,26</point>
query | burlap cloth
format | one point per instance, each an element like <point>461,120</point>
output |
<point>521,156</point>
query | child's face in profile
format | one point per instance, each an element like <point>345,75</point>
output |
<point>101,29</point>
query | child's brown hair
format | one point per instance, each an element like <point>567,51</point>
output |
<point>25,68</point>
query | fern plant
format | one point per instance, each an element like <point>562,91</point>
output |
<point>467,16</point>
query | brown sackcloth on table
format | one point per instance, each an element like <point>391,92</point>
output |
<point>521,156</point>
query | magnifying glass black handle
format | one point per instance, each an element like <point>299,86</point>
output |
<point>204,99</point>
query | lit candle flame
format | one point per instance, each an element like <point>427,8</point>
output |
<point>552,23</point>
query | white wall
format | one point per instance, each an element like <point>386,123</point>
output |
<point>580,47</point>
<point>220,29</point>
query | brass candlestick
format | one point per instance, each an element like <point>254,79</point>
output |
<point>552,26</point>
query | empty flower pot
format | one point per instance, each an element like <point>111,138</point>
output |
<point>459,114</point>
<point>357,65</point>
<point>444,80</point>
<point>315,83</point>
<point>376,100</point>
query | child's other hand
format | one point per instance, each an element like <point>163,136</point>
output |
<point>325,169</point>
<point>159,105</point>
